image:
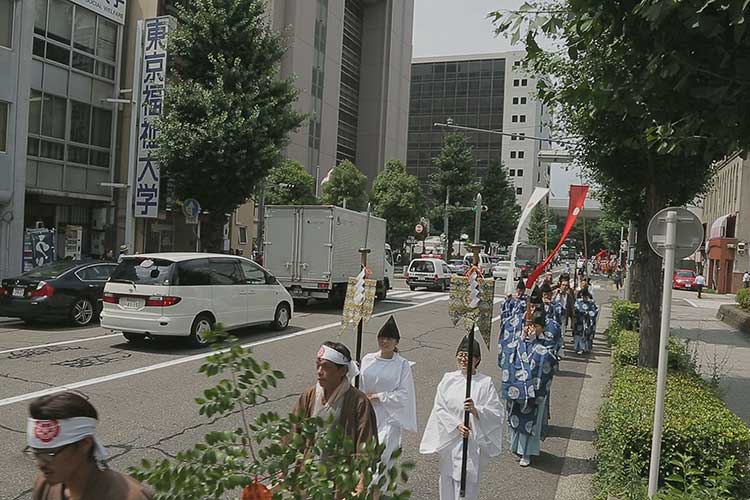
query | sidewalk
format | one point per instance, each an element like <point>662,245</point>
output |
<point>722,351</point>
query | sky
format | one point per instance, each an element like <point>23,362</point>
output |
<point>456,27</point>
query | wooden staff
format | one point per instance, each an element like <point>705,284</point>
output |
<point>469,373</point>
<point>363,253</point>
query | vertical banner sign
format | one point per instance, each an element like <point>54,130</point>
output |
<point>575,206</point>
<point>151,100</point>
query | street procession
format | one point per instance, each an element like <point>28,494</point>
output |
<point>374,250</point>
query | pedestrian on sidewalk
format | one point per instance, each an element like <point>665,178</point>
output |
<point>445,428</point>
<point>700,282</point>
<point>584,327</point>
<point>61,437</point>
<point>565,297</point>
<point>746,280</point>
<point>618,278</point>
<point>387,381</point>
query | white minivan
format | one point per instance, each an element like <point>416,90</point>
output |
<point>485,264</point>
<point>186,294</point>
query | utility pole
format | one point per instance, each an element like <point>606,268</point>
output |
<point>445,222</point>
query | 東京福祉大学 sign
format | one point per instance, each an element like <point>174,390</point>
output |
<point>111,9</point>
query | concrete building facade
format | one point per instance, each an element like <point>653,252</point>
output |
<point>726,218</point>
<point>485,91</point>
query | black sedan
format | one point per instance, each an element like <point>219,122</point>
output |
<point>65,290</point>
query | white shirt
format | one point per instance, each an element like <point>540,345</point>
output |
<point>392,380</point>
<point>700,280</point>
<point>746,277</point>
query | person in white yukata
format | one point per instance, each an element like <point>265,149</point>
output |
<point>387,381</point>
<point>445,428</point>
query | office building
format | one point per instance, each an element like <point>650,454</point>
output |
<point>485,91</point>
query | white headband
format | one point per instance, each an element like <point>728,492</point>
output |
<point>48,434</point>
<point>336,357</point>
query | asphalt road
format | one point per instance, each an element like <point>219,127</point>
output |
<point>145,394</point>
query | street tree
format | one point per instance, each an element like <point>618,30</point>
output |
<point>397,197</point>
<point>538,225</point>
<point>227,112</point>
<point>454,168</point>
<point>345,182</point>
<point>288,183</point>
<point>500,221</point>
<point>655,92</point>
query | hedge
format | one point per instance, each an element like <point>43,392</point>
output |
<point>697,423</point>
<point>743,298</point>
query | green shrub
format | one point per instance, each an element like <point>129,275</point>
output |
<point>626,344</point>
<point>625,315</point>
<point>743,298</point>
<point>696,424</point>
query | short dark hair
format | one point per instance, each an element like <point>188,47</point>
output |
<point>340,348</point>
<point>60,406</point>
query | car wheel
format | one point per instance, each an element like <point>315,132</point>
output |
<point>282,317</point>
<point>412,288</point>
<point>201,326</point>
<point>83,312</point>
<point>135,338</point>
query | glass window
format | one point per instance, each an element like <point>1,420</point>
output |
<point>106,40</point>
<point>96,273</point>
<point>83,63</point>
<point>99,158</point>
<point>422,266</point>
<point>512,154</point>
<point>514,118</point>
<point>515,83</point>
<point>78,155</point>
<point>33,147</point>
<point>519,172</point>
<point>101,127</point>
<point>80,119</point>
<point>521,154</point>
<point>143,271</point>
<point>253,274</point>
<point>60,21</point>
<point>105,70</point>
<point>58,54</point>
<point>515,100</point>
<point>4,126</point>
<point>53,150</point>
<point>84,34</point>
<point>519,191</point>
<point>225,272</point>
<point>524,82</point>
<point>53,116</point>
<point>40,16</point>
<point>38,49</point>
<point>523,100</point>
<point>6,22</point>
<point>35,111</point>
<point>522,118</point>
<point>512,172</point>
<point>243,235</point>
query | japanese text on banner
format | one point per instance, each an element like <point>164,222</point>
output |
<point>147,182</point>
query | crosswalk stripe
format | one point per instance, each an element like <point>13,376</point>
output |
<point>397,294</point>
<point>410,294</point>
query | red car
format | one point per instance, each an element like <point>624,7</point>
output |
<point>684,279</point>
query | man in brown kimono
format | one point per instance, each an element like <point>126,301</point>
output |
<point>61,439</point>
<point>334,396</point>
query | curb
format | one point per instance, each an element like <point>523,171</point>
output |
<point>734,316</point>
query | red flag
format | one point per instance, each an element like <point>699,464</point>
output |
<point>577,198</point>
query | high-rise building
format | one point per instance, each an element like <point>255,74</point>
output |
<point>486,91</point>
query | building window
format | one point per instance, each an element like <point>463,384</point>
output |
<point>521,154</point>
<point>242,232</point>
<point>101,127</point>
<point>524,82</point>
<point>512,155</point>
<point>60,23</point>
<point>515,100</point>
<point>515,83</point>
<point>4,127</point>
<point>514,118</point>
<point>516,64</point>
<point>519,191</point>
<point>84,31</point>
<point>80,122</point>
<point>512,172</point>
<point>523,100</point>
<point>522,118</point>
<point>6,23</point>
<point>54,111</point>
<point>519,172</point>
<point>522,136</point>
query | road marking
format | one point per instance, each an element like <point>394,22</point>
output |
<point>398,294</point>
<point>74,341</point>
<point>188,359</point>
<point>691,302</point>
<point>409,294</point>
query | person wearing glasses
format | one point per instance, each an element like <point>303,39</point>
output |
<point>61,437</point>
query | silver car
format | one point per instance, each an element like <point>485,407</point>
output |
<point>500,270</point>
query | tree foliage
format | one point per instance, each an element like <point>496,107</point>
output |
<point>288,183</point>
<point>397,197</point>
<point>499,194</point>
<point>539,221</point>
<point>345,182</point>
<point>454,167</point>
<point>654,90</point>
<point>227,113</point>
<point>268,448</point>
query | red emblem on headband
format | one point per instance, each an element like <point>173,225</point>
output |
<point>46,430</point>
<point>321,352</point>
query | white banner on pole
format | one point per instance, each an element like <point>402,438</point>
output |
<point>151,100</point>
<point>111,9</point>
<point>537,196</point>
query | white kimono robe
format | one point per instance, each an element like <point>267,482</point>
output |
<point>441,434</point>
<point>396,405</point>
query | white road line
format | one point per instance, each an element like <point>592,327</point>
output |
<point>398,294</point>
<point>73,341</point>
<point>409,294</point>
<point>187,359</point>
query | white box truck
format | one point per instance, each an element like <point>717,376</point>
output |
<point>314,249</point>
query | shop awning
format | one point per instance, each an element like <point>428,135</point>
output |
<point>719,227</point>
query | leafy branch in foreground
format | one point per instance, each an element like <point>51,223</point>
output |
<point>295,457</point>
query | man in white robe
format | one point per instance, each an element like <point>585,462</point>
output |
<point>445,428</point>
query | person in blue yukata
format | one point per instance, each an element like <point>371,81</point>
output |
<point>584,326</point>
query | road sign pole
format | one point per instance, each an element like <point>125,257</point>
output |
<point>445,223</point>
<point>661,374</point>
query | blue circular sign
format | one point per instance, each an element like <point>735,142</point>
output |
<point>191,208</point>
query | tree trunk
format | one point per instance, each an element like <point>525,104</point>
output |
<point>650,286</point>
<point>635,281</point>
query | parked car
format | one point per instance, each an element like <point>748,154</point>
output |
<point>484,262</point>
<point>684,279</point>
<point>186,294</point>
<point>500,271</point>
<point>428,273</point>
<point>65,290</point>
<point>458,266</point>
<point>524,268</point>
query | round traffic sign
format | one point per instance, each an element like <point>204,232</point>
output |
<point>418,228</point>
<point>688,232</point>
<point>191,207</point>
